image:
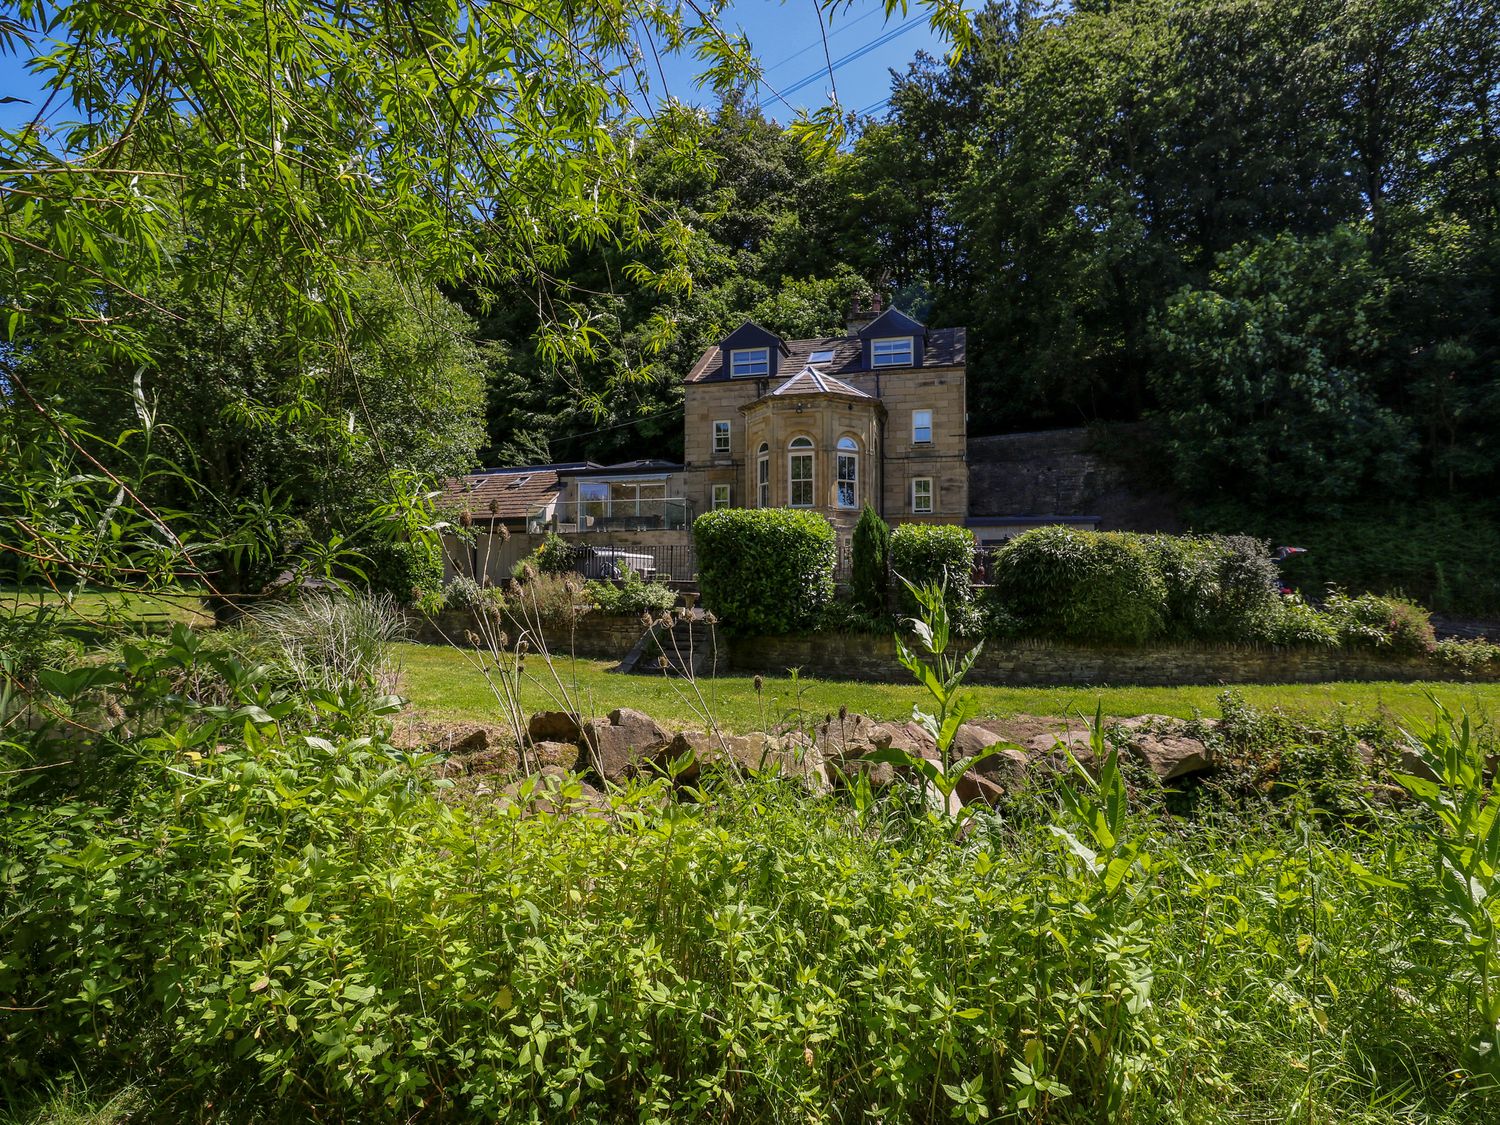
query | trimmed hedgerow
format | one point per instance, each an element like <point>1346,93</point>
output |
<point>924,553</point>
<point>764,570</point>
<point>1082,586</point>
<point>869,581</point>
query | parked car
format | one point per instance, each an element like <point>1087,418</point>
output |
<point>611,562</point>
<point>1279,556</point>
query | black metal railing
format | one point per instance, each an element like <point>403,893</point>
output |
<point>670,562</point>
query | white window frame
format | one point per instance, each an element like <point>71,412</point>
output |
<point>720,497</point>
<point>846,453</point>
<point>917,509</point>
<point>893,351</point>
<point>821,355</point>
<point>763,476</point>
<point>724,449</point>
<point>749,363</point>
<point>917,427</point>
<point>794,452</point>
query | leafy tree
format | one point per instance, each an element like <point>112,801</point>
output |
<point>273,433</point>
<point>764,245</point>
<point>1266,377</point>
<point>281,153</point>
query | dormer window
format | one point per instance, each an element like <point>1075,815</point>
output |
<point>892,351</point>
<point>822,355</point>
<point>747,363</point>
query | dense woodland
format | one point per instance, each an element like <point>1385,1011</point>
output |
<point>1270,227</point>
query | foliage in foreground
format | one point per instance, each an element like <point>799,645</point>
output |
<point>269,901</point>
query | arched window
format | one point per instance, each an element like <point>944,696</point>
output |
<point>848,473</point>
<point>763,475</point>
<point>800,473</point>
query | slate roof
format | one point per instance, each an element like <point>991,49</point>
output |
<point>811,381</point>
<point>507,494</point>
<point>945,348</point>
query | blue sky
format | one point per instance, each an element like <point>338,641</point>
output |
<point>862,44</point>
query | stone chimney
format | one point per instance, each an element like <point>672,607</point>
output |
<point>861,314</point>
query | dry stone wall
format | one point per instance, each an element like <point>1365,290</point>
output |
<point>597,636</point>
<point>861,657</point>
<point>1041,663</point>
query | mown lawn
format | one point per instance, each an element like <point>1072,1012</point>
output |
<point>90,610</point>
<point>445,684</point>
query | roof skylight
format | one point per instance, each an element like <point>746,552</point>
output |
<point>822,355</point>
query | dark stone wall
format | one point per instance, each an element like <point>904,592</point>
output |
<point>1057,473</point>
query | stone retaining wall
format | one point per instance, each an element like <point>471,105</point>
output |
<point>1038,662</point>
<point>840,657</point>
<point>597,636</point>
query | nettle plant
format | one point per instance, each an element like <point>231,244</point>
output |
<point>942,674</point>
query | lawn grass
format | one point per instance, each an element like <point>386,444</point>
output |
<point>89,611</point>
<point>445,685</point>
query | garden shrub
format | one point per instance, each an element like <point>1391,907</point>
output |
<point>1219,587</point>
<point>1467,656</point>
<point>632,594</point>
<point>869,580</point>
<point>1082,586</point>
<point>1371,621</point>
<point>406,570</point>
<point>924,553</point>
<point>465,593</point>
<point>765,570</point>
<point>31,641</point>
<point>1295,623</point>
<point>549,599</point>
<point>553,555</point>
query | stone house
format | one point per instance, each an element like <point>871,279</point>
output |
<point>876,416</point>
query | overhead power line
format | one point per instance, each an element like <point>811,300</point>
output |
<point>853,56</point>
<point>834,34</point>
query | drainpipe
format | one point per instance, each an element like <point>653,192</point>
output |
<point>880,445</point>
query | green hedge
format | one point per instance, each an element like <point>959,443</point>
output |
<point>923,553</point>
<point>765,570</point>
<point>553,555</point>
<point>1082,586</point>
<point>1218,587</point>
